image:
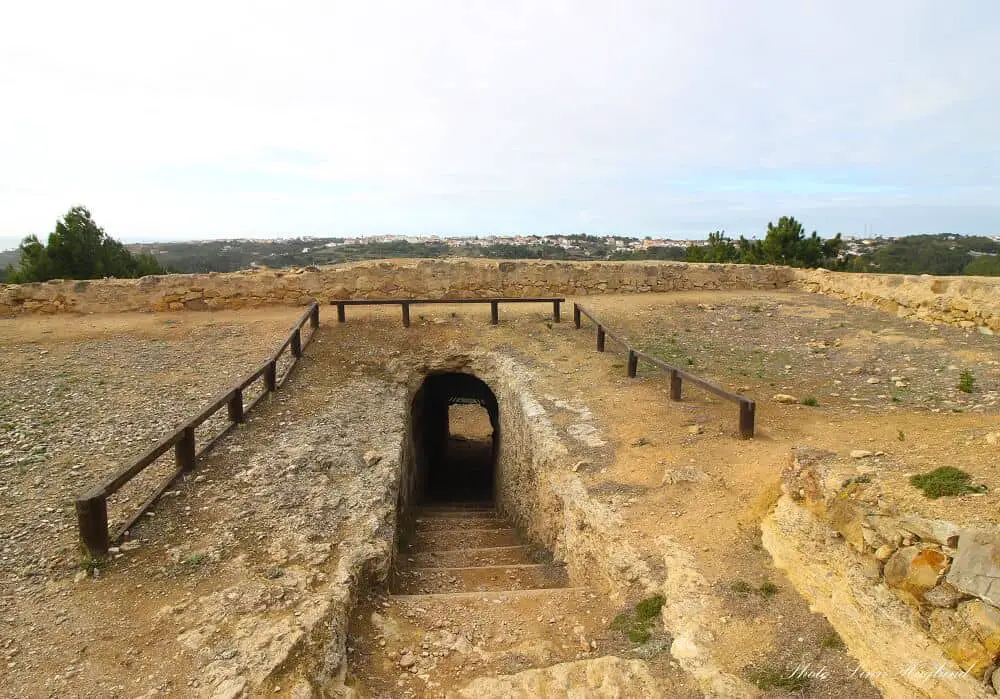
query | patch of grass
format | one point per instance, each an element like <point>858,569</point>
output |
<point>91,563</point>
<point>773,677</point>
<point>690,361</point>
<point>741,587</point>
<point>832,640</point>
<point>639,634</point>
<point>636,624</point>
<point>194,559</point>
<point>768,589</point>
<point>945,481</point>
<point>275,573</point>
<point>966,381</point>
<point>810,401</point>
<point>896,398</point>
<point>755,308</point>
<point>901,436</point>
<point>649,608</point>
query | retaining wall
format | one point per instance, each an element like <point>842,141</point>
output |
<point>454,278</point>
<point>971,302</point>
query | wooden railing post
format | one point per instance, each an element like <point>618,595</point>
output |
<point>235,406</point>
<point>600,338</point>
<point>406,315</point>
<point>555,311</point>
<point>494,313</point>
<point>748,411</point>
<point>92,519</point>
<point>297,342</point>
<point>184,451</point>
<point>633,363</point>
<point>341,314</point>
<point>576,316</point>
<point>675,385</point>
<point>271,375</point>
<point>314,316</point>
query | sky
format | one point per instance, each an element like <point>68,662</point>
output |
<point>193,120</point>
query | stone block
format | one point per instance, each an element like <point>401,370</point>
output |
<point>984,621</point>
<point>976,568</point>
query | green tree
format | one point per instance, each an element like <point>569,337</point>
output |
<point>984,266</point>
<point>787,244</point>
<point>80,249</point>
<point>720,248</point>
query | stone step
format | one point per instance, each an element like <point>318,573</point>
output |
<point>456,507</point>
<point>479,579</point>
<point>547,598</point>
<point>450,523</point>
<point>457,514</point>
<point>445,540</point>
<point>471,557</point>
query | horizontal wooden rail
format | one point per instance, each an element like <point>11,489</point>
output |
<point>747,407</point>
<point>92,506</point>
<point>405,304</point>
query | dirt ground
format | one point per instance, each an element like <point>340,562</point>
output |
<point>83,394</point>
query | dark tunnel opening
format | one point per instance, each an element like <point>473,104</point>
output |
<point>455,420</point>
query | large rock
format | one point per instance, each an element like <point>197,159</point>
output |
<point>976,568</point>
<point>960,643</point>
<point>931,530</point>
<point>984,621</point>
<point>602,677</point>
<point>915,570</point>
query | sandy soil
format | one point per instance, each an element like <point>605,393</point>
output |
<point>94,390</point>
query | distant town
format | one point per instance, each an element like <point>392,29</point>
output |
<point>942,253</point>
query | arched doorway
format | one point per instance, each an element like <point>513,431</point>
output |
<point>455,420</point>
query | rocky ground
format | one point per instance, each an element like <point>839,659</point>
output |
<point>256,536</point>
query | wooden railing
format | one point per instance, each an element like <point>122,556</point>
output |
<point>747,407</point>
<point>92,506</point>
<point>406,303</point>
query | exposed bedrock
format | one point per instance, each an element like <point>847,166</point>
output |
<point>913,598</point>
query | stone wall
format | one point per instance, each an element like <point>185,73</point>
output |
<point>454,278</point>
<point>969,302</point>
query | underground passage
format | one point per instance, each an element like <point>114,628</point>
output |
<point>455,423</point>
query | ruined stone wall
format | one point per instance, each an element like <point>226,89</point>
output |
<point>456,278</point>
<point>969,302</point>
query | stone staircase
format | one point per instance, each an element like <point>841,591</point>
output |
<point>470,548</point>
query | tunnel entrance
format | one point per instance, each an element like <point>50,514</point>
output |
<point>455,421</point>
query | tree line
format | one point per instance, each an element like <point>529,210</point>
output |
<point>79,249</point>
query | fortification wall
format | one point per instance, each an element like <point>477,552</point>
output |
<point>455,278</point>
<point>969,302</point>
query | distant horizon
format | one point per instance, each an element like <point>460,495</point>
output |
<point>5,247</point>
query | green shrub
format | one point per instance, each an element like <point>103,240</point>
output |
<point>741,587</point>
<point>945,480</point>
<point>649,608</point>
<point>768,589</point>
<point>966,381</point>
<point>810,401</point>
<point>636,624</point>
